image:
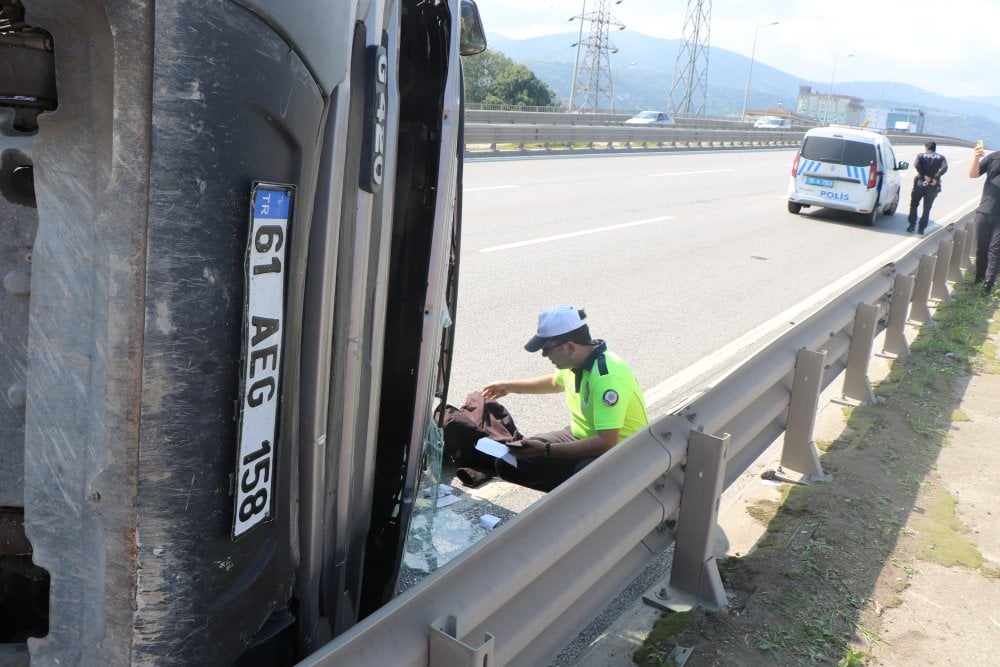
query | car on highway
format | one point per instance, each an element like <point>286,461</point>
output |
<point>650,117</point>
<point>847,169</point>
<point>770,123</point>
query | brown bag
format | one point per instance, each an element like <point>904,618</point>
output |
<point>477,418</point>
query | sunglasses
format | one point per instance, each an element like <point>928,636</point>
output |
<point>548,348</point>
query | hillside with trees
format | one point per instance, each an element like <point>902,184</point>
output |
<point>493,78</point>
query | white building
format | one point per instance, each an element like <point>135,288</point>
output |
<point>909,119</point>
<point>843,109</point>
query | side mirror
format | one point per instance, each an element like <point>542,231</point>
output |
<point>902,165</point>
<point>472,39</point>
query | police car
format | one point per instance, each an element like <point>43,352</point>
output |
<point>847,169</point>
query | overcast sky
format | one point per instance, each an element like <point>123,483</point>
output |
<point>943,47</point>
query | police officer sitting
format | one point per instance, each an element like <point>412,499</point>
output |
<point>603,397</point>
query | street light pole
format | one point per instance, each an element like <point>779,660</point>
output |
<point>753,53</point>
<point>829,94</point>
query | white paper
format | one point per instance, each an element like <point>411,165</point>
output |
<point>443,490</point>
<point>496,449</point>
<point>488,521</point>
<point>444,501</point>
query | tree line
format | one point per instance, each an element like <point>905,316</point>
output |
<point>493,78</point>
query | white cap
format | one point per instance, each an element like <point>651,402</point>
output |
<point>556,321</point>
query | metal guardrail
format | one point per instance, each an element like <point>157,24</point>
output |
<point>608,137</point>
<point>519,138</point>
<point>569,118</point>
<point>519,596</point>
<point>583,133</point>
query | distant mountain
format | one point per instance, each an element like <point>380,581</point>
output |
<point>643,71</point>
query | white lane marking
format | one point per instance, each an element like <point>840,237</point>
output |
<point>491,187</point>
<point>688,173</point>
<point>760,336</point>
<point>583,232</point>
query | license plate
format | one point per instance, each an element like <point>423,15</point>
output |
<point>263,332</point>
<point>819,181</point>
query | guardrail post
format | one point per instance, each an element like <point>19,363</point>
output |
<point>856,383</point>
<point>445,649</point>
<point>955,268</point>
<point>798,452</point>
<point>694,577</point>
<point>939,286</point>
<point>970,244</point>
<point>895,332</point>
<point>922,291</point>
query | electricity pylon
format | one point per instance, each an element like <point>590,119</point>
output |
<point>593,87</point>
<point>690,88</point>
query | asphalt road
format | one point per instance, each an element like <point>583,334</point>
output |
<point>673,256</point>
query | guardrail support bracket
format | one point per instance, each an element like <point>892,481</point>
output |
<point>694,580</point>
<point>970,244</point>
<point>955,268</point>
<point>939,286</point>
<point>798,452</point>
<point>895,332</point>
<point>856,383</point>
<point>447,651</point>
<point>919,312</point>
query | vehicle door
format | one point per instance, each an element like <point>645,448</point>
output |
<point>891,175</point>
<point>882,182</point>
<point>834,170</point>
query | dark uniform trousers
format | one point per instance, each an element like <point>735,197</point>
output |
<point>541,473</point>
<point>926,194</point>
<point>987,248</point>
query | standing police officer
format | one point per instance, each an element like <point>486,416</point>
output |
<point>931,166</point>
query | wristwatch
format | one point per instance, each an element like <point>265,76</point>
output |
<point>548,445</point>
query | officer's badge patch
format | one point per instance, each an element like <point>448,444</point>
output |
<point>610,397</point>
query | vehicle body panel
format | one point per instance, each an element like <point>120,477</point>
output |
<point>133,347</point>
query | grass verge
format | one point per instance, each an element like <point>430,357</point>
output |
<point>833,551</point>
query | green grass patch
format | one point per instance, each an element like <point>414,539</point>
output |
<point>763,510</point>
<point>656,650</point>
<point>943,540</point>
<point>860,420</point>
<point>987,362</point>
<point>958,415</point>
<point>853,659</point>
